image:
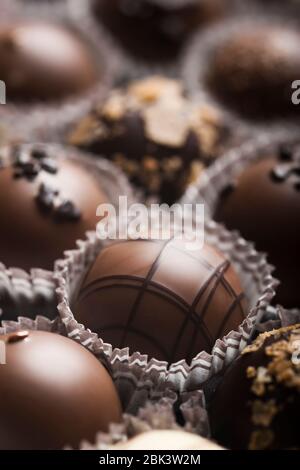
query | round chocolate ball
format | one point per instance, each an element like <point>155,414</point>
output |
<point>263,204</point>
<point>154,133</point>
<point>53,393</point>
<point>46,206</point>
<point>257,404</point>
<point>167,440</point>
<point>155,29</point>
<point>161,298</point>
<point>44,62</point>
<point>252,71</point>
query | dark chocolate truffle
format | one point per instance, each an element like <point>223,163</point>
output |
<point>41,61</point>
<point>263,203</point>
<point>155,29</point>
<point>53,393</point>
<point>257,404</point>
<point>45,206</point>
<point>161,298</point>
<point>154,133</point>
<point>252,71</point>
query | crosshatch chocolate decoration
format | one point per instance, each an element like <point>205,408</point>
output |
<point>256,406</point>
<point>154,133</point>
<point>44,206</point>
<point>155,29</point>
<point>53,393</point>
<point>263,203</point>
<point>252,70</point>
<point>40,61</point>
<point>160,298</point>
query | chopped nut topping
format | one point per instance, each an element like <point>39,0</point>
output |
<point>263,413</point>
<point>261,439</point>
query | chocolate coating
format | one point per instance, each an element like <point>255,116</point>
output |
<point>252,71</point>
<point>53,393</point>
<point>155,29</point>
<point>167,440</point>
<point>155,134</point>
<point>263,203</point>
<point>43,62</point>
<point>46,205</point>
<point>257,405</point>
<point>160,298</point>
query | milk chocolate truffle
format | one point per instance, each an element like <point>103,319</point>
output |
<point>45,206</point>
<point>44,62</point>
<point>257,405</point>
<point>263,203</point>
<point>155,29</point>
<point>252,71</point>
<point>161,298</point>
<point>167,440</point>
<point>53,393</point>
<point>154,133</point>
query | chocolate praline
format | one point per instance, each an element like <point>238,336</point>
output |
<point>155,29</point>
<point>160,138</point>
<point>41,61</point>
<point>257,405</point>
<point>46,205</point>
<point>263,203</point>
<point>53,393</point>
<point>252,70</point>
<point>160,298</point>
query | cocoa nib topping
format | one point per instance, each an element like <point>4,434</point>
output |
<point>49,200</point>
<point>29,163</point>
<point>289,167</point>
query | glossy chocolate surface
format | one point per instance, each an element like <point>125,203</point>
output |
<point>53,393</point>
<point>46,205</point>
<point>44,62</point>
<point>263,203</point>
<point>160,298</point>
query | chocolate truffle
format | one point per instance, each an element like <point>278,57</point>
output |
<point>257,405</point>
<point>53,393</point>
<point>45,206</point>
<point>43,62</point>
<point>167,440</point>
<point>252,71</point>
<point>161,298</point>
<point>155,29</point>
<point>154,133</point>
<point>263,203</point>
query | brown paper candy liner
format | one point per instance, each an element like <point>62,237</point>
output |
<point>196,60</point>
<point>49,121</point>
<point>256,278</point>
<point>148,413</point>
<point>29,294</point>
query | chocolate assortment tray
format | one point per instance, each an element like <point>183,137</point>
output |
<point>114,337</point>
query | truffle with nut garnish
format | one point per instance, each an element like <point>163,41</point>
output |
<point>256,406</point>
<point>160,138</point>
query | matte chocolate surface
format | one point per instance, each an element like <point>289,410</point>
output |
<point>252,71</point>
<point>257,406</point>
<point>154,133</point>
<point>53,393</point>
<point>45,206</point>
<point>263,203</point>
<point>43,62</point>
<point>160,298</point>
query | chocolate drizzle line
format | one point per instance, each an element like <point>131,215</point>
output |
<point>189,311</point>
